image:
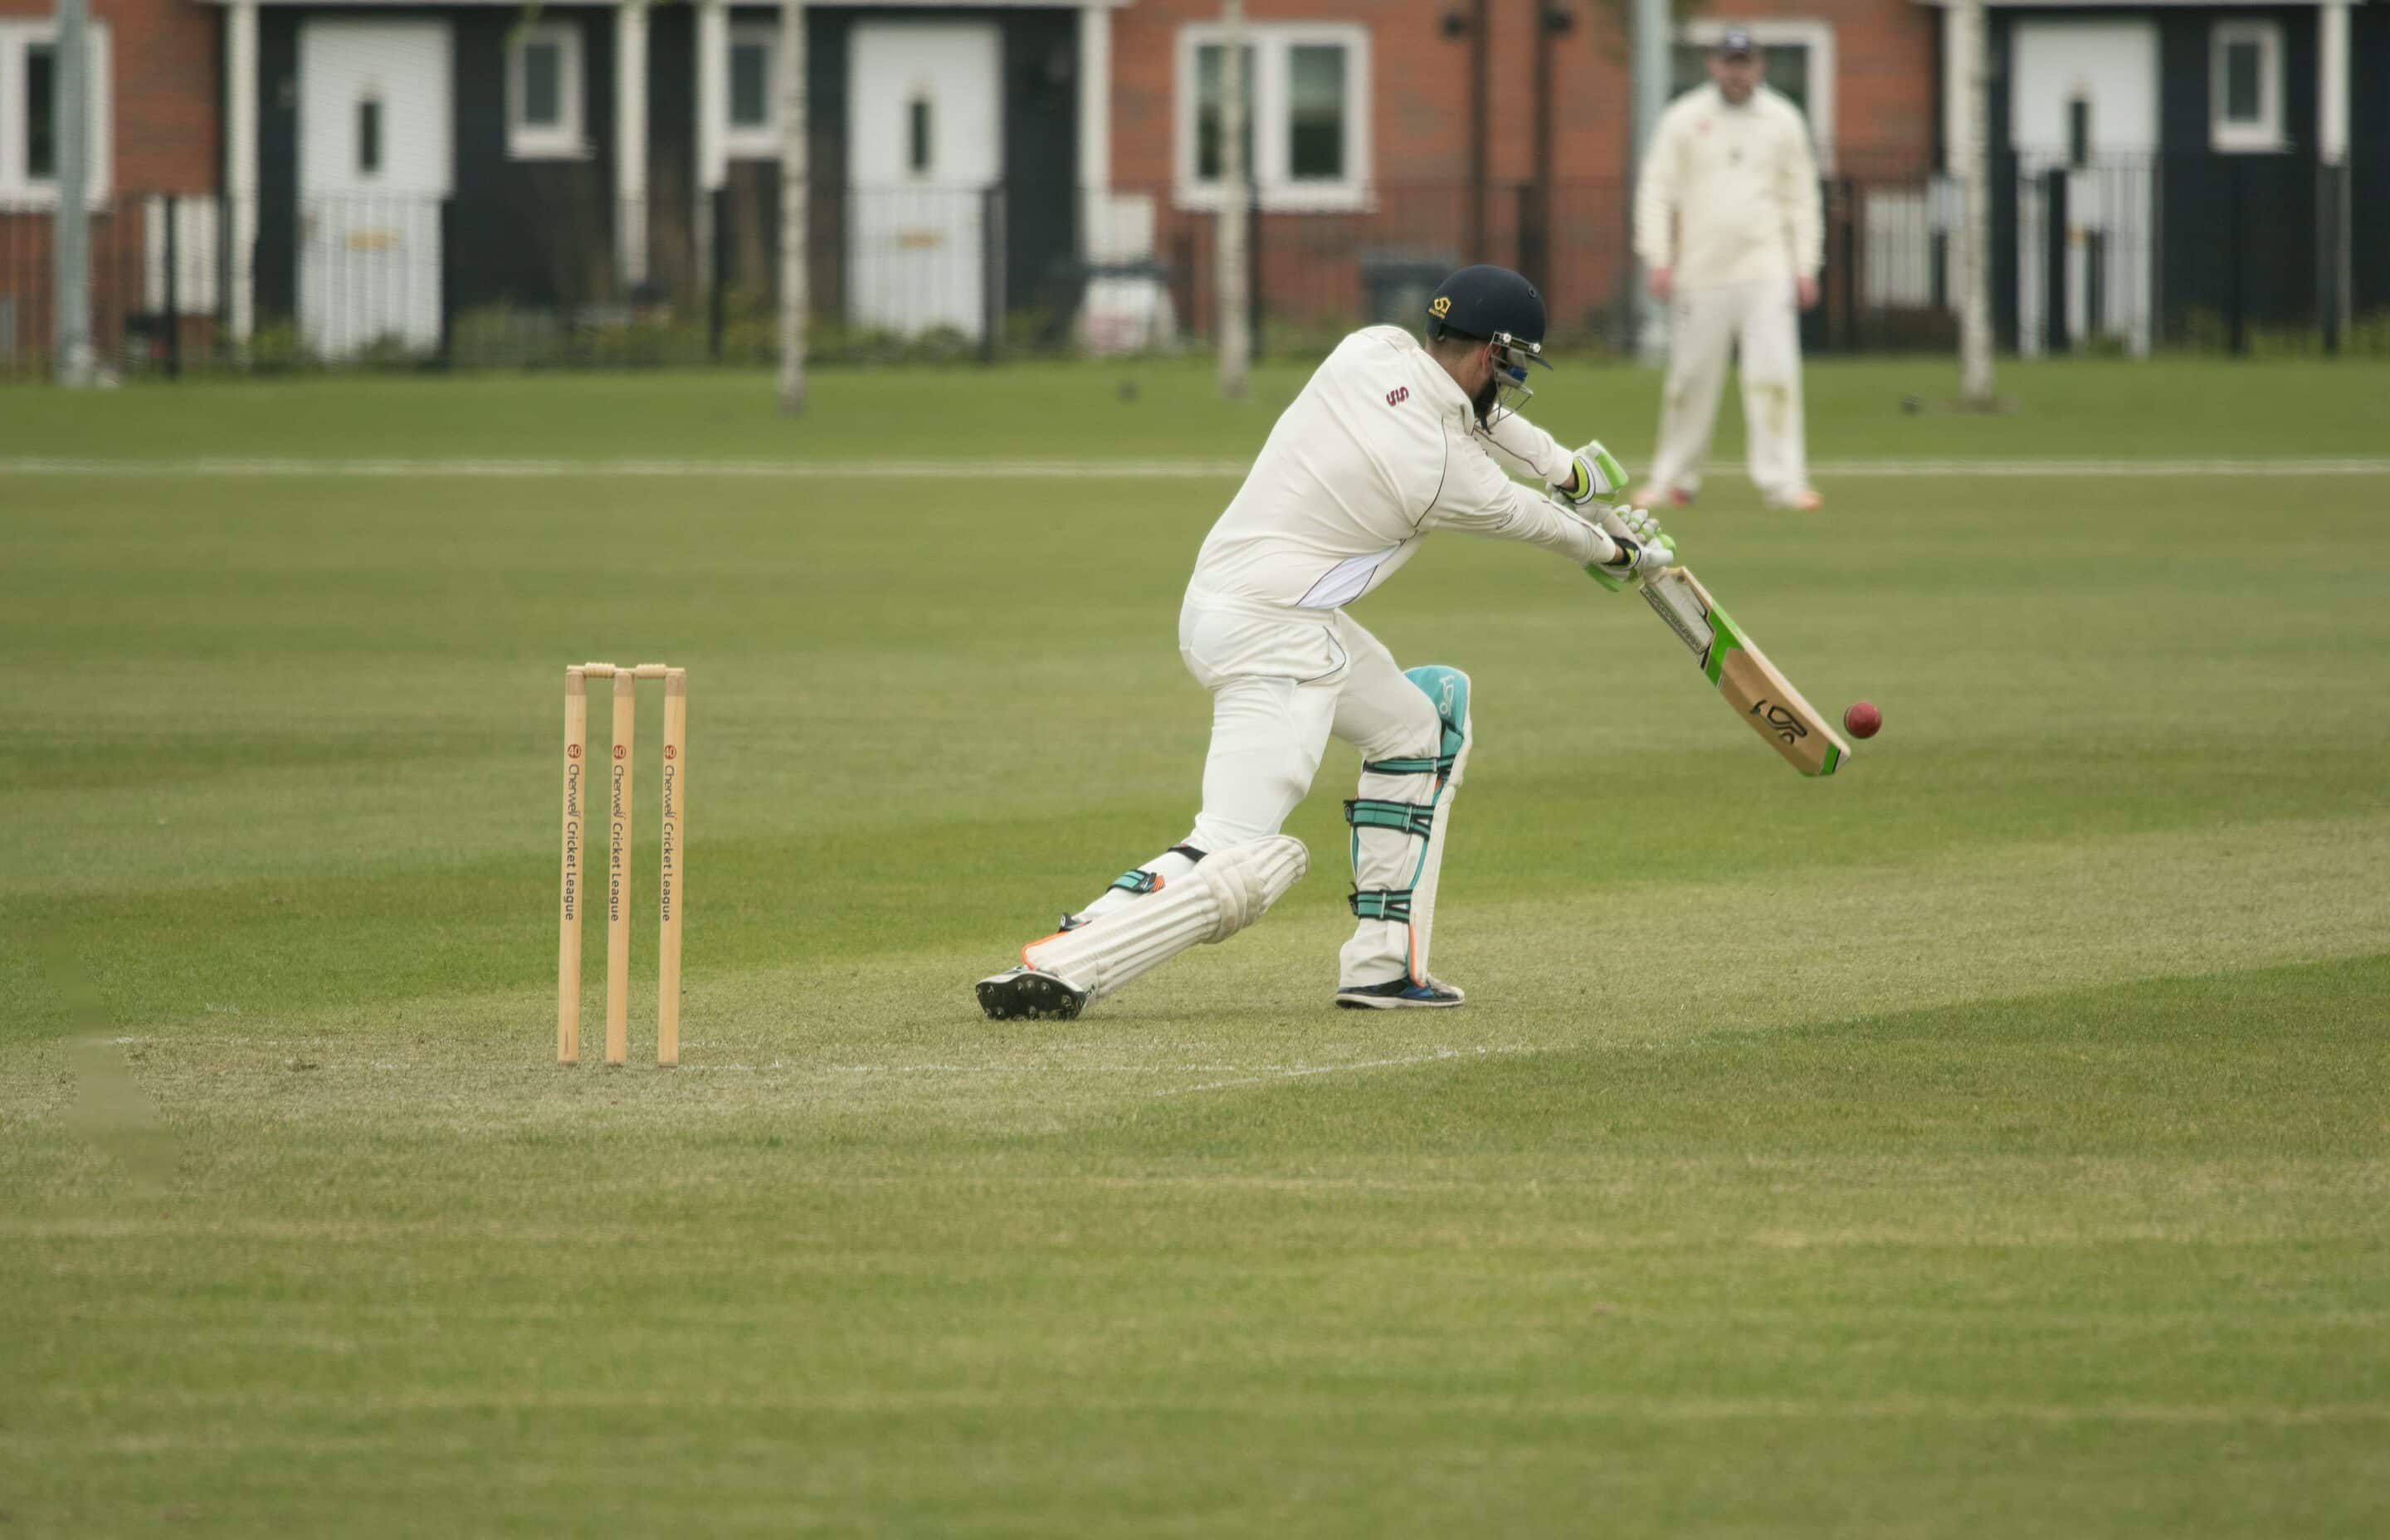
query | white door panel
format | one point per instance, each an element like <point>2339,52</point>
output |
<point>374,160</point>
<point>925,144</point>
<point>2110,68</point>
<point>2113,65</point>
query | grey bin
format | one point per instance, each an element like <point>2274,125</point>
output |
<point>1397,286</point>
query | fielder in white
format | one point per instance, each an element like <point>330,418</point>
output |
<point>1393,438</point>
<point>1731,234</point>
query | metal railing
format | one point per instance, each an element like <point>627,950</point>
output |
<point>2126,255</point>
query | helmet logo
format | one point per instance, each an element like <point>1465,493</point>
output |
<point>1441,308</point>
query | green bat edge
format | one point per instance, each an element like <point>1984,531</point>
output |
<point>1727,636</point>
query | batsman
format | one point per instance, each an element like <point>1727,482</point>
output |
<point>1393,438</point>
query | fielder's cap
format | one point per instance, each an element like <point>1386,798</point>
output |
<point>1493,303</point>
<point>1735,42</point>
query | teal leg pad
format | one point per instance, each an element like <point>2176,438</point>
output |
<point>1448,689</point>
<point>1417,819</point>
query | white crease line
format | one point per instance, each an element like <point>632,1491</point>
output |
<point>2321,466</point>
<point>1037,1067</point>
<point>539,469</point>
<point>1439,1056</point>
<point>1094,469</point>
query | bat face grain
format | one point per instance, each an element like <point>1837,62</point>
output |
<point>1750,683</point>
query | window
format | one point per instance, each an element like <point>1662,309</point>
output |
<point>754,128</point>
<point>1211,85</point>
<point>29,96</point>
<point>41,113</point>
<point>1307,120</point>
<point>1315,149</point>
<point>368,138</point>
<point>1798,56</point>
<point>2244,67</point>
<point>542,85</point>
<point>544,92</point>
<point>2242,102</point>
<point>751,78</point>
<point>917,160</point>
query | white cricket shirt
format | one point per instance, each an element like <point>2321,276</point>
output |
<point>1380,447</point>
<point>1728,194</point>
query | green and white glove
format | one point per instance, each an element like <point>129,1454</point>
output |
<point>1595,473</point>
<point>1643,547</point>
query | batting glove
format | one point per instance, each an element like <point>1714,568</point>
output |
<point>1643,549</point>
<point>1596,473</point>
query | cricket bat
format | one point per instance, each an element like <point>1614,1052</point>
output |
<point>1752,685</point>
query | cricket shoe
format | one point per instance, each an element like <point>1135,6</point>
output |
<point>1025,994</point>
<point>1804,500</point>
<point>1658,496</point>
<point>1401,995</point>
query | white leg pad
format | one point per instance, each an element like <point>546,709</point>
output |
<point>1431,867</point>
<point>1227,892</point>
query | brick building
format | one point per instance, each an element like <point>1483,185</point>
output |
<point>153,100</point>
<point>1477,128</point>
<point>366,172</point>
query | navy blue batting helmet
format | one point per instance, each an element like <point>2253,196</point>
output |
<point>1492,304</point>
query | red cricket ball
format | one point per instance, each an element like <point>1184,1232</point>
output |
<point>1862,719</point>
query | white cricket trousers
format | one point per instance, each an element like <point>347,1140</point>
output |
<point>1282,683</point>
<point>1761,322</point>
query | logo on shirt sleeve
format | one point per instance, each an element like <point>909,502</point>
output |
<point>1399,394</point>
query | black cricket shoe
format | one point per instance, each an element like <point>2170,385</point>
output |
<point>1401,995</point>
<point>1024,993</point>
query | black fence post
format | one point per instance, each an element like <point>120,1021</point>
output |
<point>991,270</point>
<point>1254,309</point>
<point>717,277</point>
<point>2329,250</point>
<point>2095,284</point>
<point>2007,196</point>
<point>1846,271</point>
<point>171,297</point>
<point>2054,282</point>
<point>447,266</point>
<point>2236,320</point>
<point>1184,292</point>
<point>219,261</point>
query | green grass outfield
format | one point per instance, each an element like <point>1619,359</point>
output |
<point>1992,1140</point>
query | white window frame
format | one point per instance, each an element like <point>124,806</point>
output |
<point>1269,99</point>
<point>746,141</point>
<point>17,188</point>
<point>564,139</point>
<point>2265,135</point>
<point>1815,36</point>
